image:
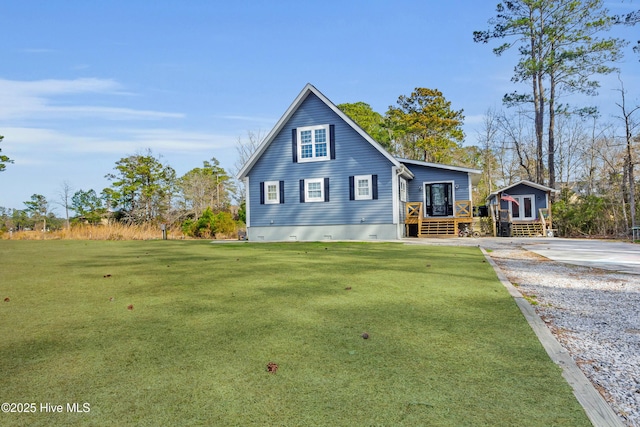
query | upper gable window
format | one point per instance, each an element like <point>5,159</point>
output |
<point>314,143</point>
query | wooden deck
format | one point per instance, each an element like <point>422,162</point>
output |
<point>417,224</point>
<point>535,228</point>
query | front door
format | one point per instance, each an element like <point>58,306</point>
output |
<point>438,199</point>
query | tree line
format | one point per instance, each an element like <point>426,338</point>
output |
<point>562,50</point>
<point>143,190</point>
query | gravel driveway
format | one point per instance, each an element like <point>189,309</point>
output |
<point>594,313</point>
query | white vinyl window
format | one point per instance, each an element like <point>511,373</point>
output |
<point>403,190</point>
<point>314,190</point>
<point>313,143</point>
<point>362,187</point>
<point>272,192</point>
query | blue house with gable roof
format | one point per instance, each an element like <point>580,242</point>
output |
<point>318,176</point>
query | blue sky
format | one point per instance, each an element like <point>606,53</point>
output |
<point>86,83</point>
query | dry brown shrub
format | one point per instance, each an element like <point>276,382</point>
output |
<point>98,232</point>
<point>114,231</point>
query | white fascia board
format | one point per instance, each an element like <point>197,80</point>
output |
<point>527,183</point>
<point>441,166</point>
<point>474,174</point>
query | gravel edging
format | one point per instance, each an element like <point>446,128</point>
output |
<point>594,315</point>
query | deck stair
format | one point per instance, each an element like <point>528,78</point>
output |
<point>416,222</point>
<point>527,229</point>
<point>438,228</point>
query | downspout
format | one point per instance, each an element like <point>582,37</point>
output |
<point>247,204</point>
<point>470,195</point>
<point>396,172</point>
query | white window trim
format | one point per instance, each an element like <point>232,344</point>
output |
<point>403,190</point>
<point>307,197</point>
<point>367,178</point>
<point>266,193</point>
<point>314,157</point>
<point>520,199</point>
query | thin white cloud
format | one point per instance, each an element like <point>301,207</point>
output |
<point>108,113</point>
<point>34,100</point>
<point>53,86</point>
<point>172,140</point>
<point>245,118</point>
<point>24,142</point>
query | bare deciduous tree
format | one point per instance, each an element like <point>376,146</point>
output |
<point>630,126</point>
<point>245,149</point>
<point>64,199</point>
<point>517,137</point>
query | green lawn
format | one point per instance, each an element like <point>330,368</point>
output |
<point>447,345</point>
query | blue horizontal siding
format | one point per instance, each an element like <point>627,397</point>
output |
<point>524,189</point>
<point>354,156</point>
<point>424,174</point>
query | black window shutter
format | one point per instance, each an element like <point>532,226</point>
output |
<point>302,191</point>
<point>294,145</point>
<point>374,187</point>
<point>352,192</point>
<point>326,189</point>
<point>262,193</point>
<point>281,191</point>
<point>332,141</point>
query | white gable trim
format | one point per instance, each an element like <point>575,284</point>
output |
<point>527,183</point>
<point>308,89</point>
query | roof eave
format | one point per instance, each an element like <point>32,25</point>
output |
<point>525,182</point>
<point>475,173</point>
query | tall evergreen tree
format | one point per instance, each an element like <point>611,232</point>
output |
<point>3,159</point>
<point>88,205</point>
<point>370,121</point>
<point>142,187</point>
<point>38,207</point>
<point>425,127</point>
<point>560,50</point>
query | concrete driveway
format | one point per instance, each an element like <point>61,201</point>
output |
<point>605,254</point>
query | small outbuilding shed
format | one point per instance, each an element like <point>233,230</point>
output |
<point>522,209</point>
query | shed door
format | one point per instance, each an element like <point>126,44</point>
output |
<point>525,209</point>
<point>438,199</point>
